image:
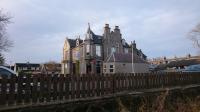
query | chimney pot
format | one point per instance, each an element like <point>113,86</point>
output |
<point>107,25</point>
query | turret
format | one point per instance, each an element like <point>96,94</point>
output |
<point>88,33</point>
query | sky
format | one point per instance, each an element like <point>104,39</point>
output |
<point>39,27</point>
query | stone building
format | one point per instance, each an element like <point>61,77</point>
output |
<point>89,55</point>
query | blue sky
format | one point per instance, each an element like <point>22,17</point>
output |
<point>39,27</point>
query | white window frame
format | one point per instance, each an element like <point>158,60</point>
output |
<point>113,49</point>
<point>98,50</point>
<point>111,68</point>
<point>87,48</point>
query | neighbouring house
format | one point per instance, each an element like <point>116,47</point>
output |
<point>51,68</point>
<point>176,63</point>
<point>19,67</point>
<point>87,55</point>
<point>125,63</point>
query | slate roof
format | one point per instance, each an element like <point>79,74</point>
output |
<point>97,39</point>
<point>27,65</point>
<point>72,42</point>
<point>126,45</point>
<point>125,57</point>
<point>80,41</point>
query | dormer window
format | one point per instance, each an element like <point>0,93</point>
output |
<point>77,42</point>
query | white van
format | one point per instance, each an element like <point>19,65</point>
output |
<point>4,71</point>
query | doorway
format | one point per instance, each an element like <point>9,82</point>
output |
<point>74,68</point>
<point>88,68</point>
<point>98,67</point>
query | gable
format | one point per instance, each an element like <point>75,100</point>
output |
<point>66,46</point>
<point>126,58</point>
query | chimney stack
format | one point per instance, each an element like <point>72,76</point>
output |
<point>106,25</point>
<point>106,30</point>
<point>134,44</point>
<point>117,29</point>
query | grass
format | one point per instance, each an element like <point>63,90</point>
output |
<point>165,102</point>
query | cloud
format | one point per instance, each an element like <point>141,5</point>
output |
<point>39,27</point>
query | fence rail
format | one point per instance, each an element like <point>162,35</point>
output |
<point>41,88</point>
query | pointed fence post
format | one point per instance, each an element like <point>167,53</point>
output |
<point>12,90</point>
<point>3,99</point>
<point>27,88</point>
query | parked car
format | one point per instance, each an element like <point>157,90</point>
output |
<point>6,72</point>
<point>192,68</point>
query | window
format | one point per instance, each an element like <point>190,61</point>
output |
<point>111,68</point>
<point>98,68</point>
<point>88,36</point>
<point>98,50</point>
<point>29,68</point>
<point>65,66</point>
<point>87,48</point>
<point>113,50</point>
<point>126,50</point>
<point>123,42</point>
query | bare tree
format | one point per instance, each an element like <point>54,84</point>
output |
<point>5,43</point>
<point>194,35</point>
<point>1,59</point>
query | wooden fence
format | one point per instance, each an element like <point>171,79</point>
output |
<point>33,89</point>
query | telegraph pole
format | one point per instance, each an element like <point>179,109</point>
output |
<point>132,58</point>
